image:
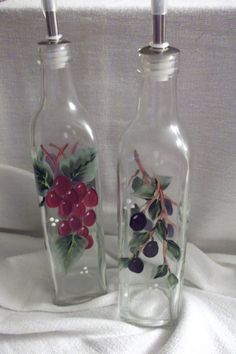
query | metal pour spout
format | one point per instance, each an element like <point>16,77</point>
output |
<point>159,11</point>
<point>50,13</point>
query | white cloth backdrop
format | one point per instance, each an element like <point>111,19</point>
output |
<point>105,38</point>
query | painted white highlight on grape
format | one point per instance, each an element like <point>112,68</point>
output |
<point>51,219</point>
<point>54,224</point>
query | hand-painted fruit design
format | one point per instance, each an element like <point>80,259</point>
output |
<point>150,224</point>
<point>66,182</point>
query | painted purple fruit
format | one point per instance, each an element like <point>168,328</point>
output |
<point>169,207</point>
<point>136,265</point>
<point>138,221</point>
<point>149,225</point>
<point>151,249</point>
<point>170,230</point>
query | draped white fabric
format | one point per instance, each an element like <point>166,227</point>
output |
<point>105,37</point>
<point>30,323</point>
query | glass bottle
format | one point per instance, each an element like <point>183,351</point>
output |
<point>153,176</point>
<point>65,162</point>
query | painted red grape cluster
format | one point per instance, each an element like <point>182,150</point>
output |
<point>75,202</point>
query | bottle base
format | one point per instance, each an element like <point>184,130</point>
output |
<point>77,300</point>
<point>149,323</point>
<point>78,286</point>
<point>148,305</point>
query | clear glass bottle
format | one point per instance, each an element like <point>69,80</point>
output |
<point>65,161</point>
<point>153,176</point>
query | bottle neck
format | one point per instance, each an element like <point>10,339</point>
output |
<point>158,99</point>
<point>57,84</point>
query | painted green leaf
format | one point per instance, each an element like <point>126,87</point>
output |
<point>161,230</point>
<point>181,212</point>
<point>172,280</point>
<point>43,177</point>
<point>70,249</point>
<point>123,262</point>
<point>138,240</point>
<point>142,190</point>
<point>173,250</point>
<point>40,155</point>
<point>154,209</point>
<point>134,249</point>
<point>137,183</point>
<point>164,181</point>
<point>82,166</point>
<point>159,271</point>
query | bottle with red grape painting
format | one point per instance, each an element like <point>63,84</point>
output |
<point>65,161</point>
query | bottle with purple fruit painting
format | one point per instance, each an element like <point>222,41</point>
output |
<point>65,164</point>
<point>153,178</point>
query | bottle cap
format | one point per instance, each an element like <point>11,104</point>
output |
<point>160,64</point>
<point>55,55</point>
